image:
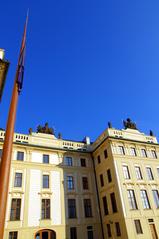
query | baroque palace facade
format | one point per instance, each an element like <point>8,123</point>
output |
<point>63,189</point>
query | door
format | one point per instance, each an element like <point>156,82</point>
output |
<point>45,234</point>
<point>153,231</point>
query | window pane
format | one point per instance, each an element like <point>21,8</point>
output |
<point>68,161</point>
<point>117,227</point>
<point>121,150</point>
<point>45,210</point>
<point>87,208</point>
<point>13,235</point>
<point>20,156</point>
<point>98,158</point>
<point>109,175</point>
<point>73,233</point>
<point>105,206</point>
<point>70,183</point>
<point>132,199</point>
<point>101,180</point>
<point>126,172</point>
<point>105,154</point>
<point>132,151</point>
<point>18,180</point>
<point>144,198</point>
<point>109,230</point>
<point>45,181</point>
<point>15,209</point>
<point>138,226</point>
<point>154,155</point>
<point>45,158</point>
<point>85,183</point>
<point>143,153</point>
<point>71,208</point>
<point>113,202</point>
<point>83,162</point>
<point>138,173</point>
<point>149,173</point>
<point>156,198</point>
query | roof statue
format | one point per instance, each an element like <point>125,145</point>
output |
<point>110,124</point>
<point>59,136</point>
<point>151,133</point>
<point>45,129</point>
<point>129,124</point>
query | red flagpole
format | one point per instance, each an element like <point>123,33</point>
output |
<point>8,142</point>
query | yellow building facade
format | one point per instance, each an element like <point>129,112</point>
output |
<point>63,189</point>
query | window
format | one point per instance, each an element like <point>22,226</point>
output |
<point>20,156</point>
<point>132,199</point>
<point>85,183</point>
<point>73,233</point>
<point>158,172</point>
<point>71,208</point>
<point>133,151</point>
<point>68,161</point>
<point>90,232</point>
<point>154,154</point>
<point>113,202</point>
<point>70,183</point>
<point>109,230</point>
<point>13,235</point>
<point>121,150</point>
<point>109,175</point>
<point>15,209</point>
<point>98,159</point>
<point>126,172</point>
<point>156,198</point>
<point>144,198</point>
<point>149,173</point>
<point>45,209</point>
<point>18,180</point>
<point>143,153</point>
<point>105,154</point>
<point>101,180</point>
<point>105,206</point>
<point>138,226</point>
<point>83,162</point>
<point>45,181</point>
<point>117,227</point>
<point>87,208</point>
<point>138,173</point>
<point>45,158</point>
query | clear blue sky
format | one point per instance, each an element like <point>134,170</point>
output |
<point>87,62</point>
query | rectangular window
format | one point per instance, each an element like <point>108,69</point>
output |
<point>133,151</point>
<point>113,202</point>
<point>18,180</point>
<point>156,197</point>
<point>158,172</point>
<point>149,173</point>
<point>138,226</point>
<point>105,206</point>
<point>87,208</point>
<point>121,150</point>
<point>13,235</point>
<point>90,232</point>
<point>126,172</point>
<point>145,200</point>
<point>83,162</point>
<point>45,158</point>
<point>85,183</point>
<point>68,161</point>
<point>105,154</point>
<point>73,233</point>
<point>118,231</point>
<point>154,154</point>
<point>15,209</point>
<point>98,159</point>
<point>138,173</point>
<point>101,180</point>
<point>109,176</point>
<point>132,199</point>
<point>45,213</point>
<point>70,183</point>
<point>71,208</point>
<point>109,230</point>
<point>45,181</point>
<point>143,153</point>
<point>20,156</point>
